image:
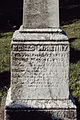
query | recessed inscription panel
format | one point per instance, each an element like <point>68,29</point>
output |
<point>40,71</point>
<point>40,47</point>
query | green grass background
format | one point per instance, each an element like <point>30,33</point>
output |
<point>73,32</point>
<point>5,39</point>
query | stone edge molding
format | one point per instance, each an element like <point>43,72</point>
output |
<point>65,106</point>
<point>63,109</point>
<point>39,35</point>
<point>39,104</point>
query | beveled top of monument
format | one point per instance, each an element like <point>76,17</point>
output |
<point>41,14</point>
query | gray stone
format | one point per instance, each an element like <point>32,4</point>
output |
<point>52,114</point>
<point>40,69</point>
<point>39,109</point>
<point>40,66</point>
<point>41,14</point>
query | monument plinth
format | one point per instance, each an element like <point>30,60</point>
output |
<point>40,66</point>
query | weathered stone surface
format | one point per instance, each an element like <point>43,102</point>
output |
<point>60,114</point>
<point>39,104</point>
<point>39,109</point>
<point>40,69</point>
<point>41,14</point>
<point>40,66</point>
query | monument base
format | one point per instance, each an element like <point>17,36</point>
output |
<point>39,109</point>
<point>39,64</point>
<point>39,76</point>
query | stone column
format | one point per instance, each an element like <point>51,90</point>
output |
<point>41,14</point>
<point>40,66</point>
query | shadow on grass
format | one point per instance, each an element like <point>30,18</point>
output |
<point>1,35</point>
<point>72,39</point>
<point>4,79</point>
<point>78,109</point>
<point>74,55</point>
<point>2,32</point>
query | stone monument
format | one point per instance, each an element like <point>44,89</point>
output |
<point>40,66</point>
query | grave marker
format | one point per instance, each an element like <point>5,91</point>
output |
<point>40,66</point>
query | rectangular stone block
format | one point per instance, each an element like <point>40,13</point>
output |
<point>14,114</point>
<point>39,109</point>
<point>41,14</point>
<point>40,69</point>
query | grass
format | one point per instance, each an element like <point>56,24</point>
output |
<point>5,39</point>
<point>73,32</point>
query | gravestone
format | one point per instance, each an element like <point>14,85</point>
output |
<point>40,66</point>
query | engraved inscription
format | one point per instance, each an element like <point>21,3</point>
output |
<point>39,66</point>
<point>28,47</point>
<point>40,71</point>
